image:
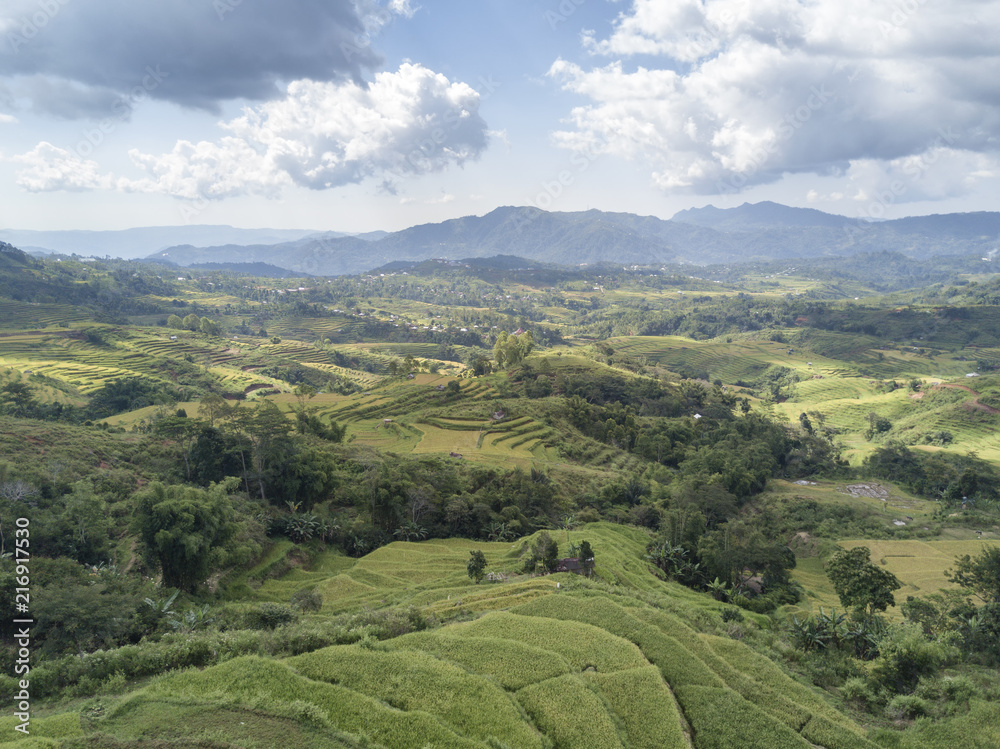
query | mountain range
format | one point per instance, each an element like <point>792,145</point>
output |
<point>750,232</point>
<point>140,242</point>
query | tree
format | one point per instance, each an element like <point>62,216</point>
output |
<point>586,558</point>
<point>16,398</point>
<point>184,528</point>
<point>476,565</point>
<point>510,350</point>
<point>861,585</point>
<point>806,423</point>
<point>208,327</point>
<point>979,574</point>
<point>85,524</point>
<point>544,551</point>
<point>191,322</point>
<point>213,407</point>
<point>174,321</point>
<point>184,432</point>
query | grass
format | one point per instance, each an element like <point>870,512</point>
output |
<point>44,732</point>
<point>978,729</point>
<point>919,565</point>
<point>177,719</point>
<point>268,684</point>
<point>514,665</point>
<point>645,705</point>
<point>721,719</point>
<point>571,714</point>
<point>582,645</point>
<point>415,681</point>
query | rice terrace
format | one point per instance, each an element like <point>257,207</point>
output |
<point>383,374</point>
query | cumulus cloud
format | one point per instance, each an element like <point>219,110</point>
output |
<point>50,168</point>
<point>742,93</point>
<point>938,173</point>
<point>212,50</point>
<point>321,135</point>
<point>7,119</point>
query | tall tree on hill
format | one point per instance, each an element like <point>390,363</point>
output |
<point>477,565</point>
<point>862,586</point>
<point>510,350</point>
<point>183,528</point>
<point>586,558</point>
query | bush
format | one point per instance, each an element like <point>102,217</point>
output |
<point>732,615</point>
<point>905,656</point>
<point>857,690</point>
<point>907,706</point>
<point>269,616</point>
<point>307,600</point>
<point>960,691</point>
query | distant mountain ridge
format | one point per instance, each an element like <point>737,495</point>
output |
<point>763,215</point>
<point>140,242</point>
<point>751,232</point>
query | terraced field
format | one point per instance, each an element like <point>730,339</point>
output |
<point>842,394</point>
<point>532,662</point>
<point>27,315</point>
<point>920,565</point>
<point>86,365</point>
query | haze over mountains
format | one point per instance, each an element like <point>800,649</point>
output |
<point>761,231</point>
<point>139,242</point>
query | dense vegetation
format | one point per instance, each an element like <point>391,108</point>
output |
<point>304,490</point>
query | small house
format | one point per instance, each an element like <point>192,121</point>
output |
<point>570,564</point>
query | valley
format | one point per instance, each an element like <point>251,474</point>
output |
<point>273,491</point>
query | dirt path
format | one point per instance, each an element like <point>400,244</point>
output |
<point>975,403</point>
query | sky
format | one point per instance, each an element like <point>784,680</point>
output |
<point>358,115</point>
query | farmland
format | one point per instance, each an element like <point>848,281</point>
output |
<point>336,451</point>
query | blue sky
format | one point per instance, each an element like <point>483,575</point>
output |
<point>359,115</point>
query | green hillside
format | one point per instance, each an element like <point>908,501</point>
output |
<point>333,512</point>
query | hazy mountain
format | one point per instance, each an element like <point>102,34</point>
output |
<point>763,231</point>
<point>141,242</point>
<point>765,215</point>
<point>264,270</point>
<point>11,256</point>
<point>566,238</point>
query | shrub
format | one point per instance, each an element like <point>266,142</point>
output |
<point>307,600</point>
<point>269,616</point>
<point>960,690</point>
<point>907,706</point>
<point>732,615</point>
<point>905,656</point>
<point>857,691</point>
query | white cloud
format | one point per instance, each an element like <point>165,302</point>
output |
<point>743,93</point>
<point>7,119</point>
<point>50,168</point>
<point>442,199</point>
<point>936,174</point>
<point>323,135</point>
<point>403,8</point>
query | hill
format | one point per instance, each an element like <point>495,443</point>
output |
<point>253,504</point>
<point>139,242</point>
<point>765,215</point>
<point>764,231</point>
